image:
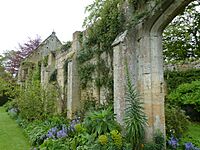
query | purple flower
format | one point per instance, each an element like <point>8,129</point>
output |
<point>61,134</point>
<point>54,130</point>
<point>50,134</point>
<point>173,142</point>
<point>189,146</point>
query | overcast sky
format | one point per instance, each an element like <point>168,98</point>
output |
<point>20,19</point>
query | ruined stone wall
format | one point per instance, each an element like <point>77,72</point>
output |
<point>181,66</point>
<point>95,89</point>
<point>64,65</point>
<point>51,44</point>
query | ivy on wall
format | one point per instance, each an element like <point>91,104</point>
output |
<point>36,75</point>
<point>104,24</point>
<point>85,73</point>
<point>103,78</point>
<point>45,61</point>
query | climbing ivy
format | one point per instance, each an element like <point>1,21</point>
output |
<point>36,74</point>
<point>103,78</point>
<point>45,61</point>
<point>106,20</point>
<point>103,25</point>
<point>85,73</point>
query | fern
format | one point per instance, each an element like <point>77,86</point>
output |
<point>135,118</point>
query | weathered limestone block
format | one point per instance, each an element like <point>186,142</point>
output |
<point>62,76</point>
<point>73,87</point>
<point>124,57</point>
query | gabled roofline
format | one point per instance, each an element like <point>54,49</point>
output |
<point>36,49</point>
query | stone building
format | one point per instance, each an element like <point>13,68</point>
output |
<point>57,64</point>
<point>48,46</point>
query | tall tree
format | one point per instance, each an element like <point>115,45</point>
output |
<point>7,83</point>
<point>181,38</point>
<point>13,58</point>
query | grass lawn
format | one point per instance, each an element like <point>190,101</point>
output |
<point>193,134</point>
<point>11,136</point>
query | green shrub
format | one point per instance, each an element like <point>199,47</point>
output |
<point>158,142</point>
<point>35,102</point>
<point>22,122</point>
<point>36,132</point>
<point>186,94</point>
<point>175,78</point>
<point>176,121</point>
<point>7,86</point>
<point>10,104</point>
<point>100,122</point>
<point>59,144</point>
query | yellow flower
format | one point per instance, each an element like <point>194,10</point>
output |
<point>117,138</point>
<point>103,139</point>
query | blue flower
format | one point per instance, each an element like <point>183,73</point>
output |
<point>189,146</point>
<point>54,130</point>
<point>50,134</point>
<point>61,134</point>
<point>173,142</point>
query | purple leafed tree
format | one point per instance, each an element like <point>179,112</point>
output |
<point>13,58</point>
<point>27,48</point>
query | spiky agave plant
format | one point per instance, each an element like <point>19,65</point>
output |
<point>135,119</point>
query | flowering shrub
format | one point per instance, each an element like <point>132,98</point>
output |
<point>64,131</point>
<point>78,136</point>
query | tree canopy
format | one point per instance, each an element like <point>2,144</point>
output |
<point>181,38</point>
<point>12,58</point>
